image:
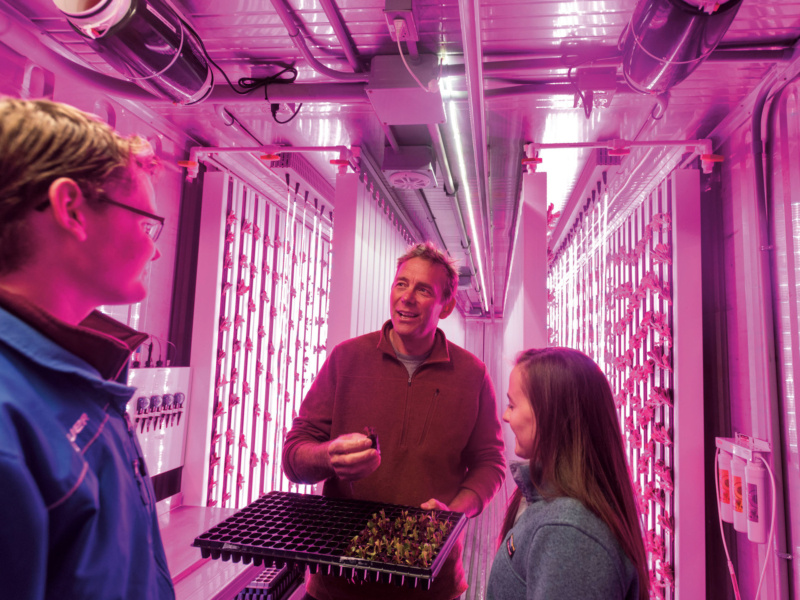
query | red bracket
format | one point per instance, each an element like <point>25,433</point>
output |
<point>341,164</point>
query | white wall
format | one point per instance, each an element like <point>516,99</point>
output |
<point>455,328</point>
<point>749,353</point>
<point>525,322</point>
<point>366,244</point>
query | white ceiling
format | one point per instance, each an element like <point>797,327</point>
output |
<point>246,38</point>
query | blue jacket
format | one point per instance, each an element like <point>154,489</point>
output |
<point>559,549</point>
<point>77,506</point>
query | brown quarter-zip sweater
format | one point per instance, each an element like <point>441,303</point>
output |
<point>438,431</point>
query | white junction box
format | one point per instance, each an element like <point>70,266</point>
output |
<point>398,98</point>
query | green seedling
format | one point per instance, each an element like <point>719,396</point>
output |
<point>407,540</point>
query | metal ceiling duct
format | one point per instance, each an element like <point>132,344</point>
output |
<point>147,42</point>
<point>668,39</point>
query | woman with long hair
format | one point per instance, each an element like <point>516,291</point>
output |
<point>572,527</point>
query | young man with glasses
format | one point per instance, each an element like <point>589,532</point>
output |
<point>78,226</point>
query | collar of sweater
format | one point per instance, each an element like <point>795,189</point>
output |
<point>439,352</point>
<point>521,472</point>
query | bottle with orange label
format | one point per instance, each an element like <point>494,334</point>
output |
<point>724,474</point>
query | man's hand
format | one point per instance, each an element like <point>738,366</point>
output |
<point>348,457</point>
<point>352,456</point>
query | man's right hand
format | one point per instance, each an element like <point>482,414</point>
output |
<point>352,456</point>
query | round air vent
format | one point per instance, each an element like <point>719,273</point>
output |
<point>410,180</point>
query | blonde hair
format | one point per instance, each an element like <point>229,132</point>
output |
<point>41,141</point>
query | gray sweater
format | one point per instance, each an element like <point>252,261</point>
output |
<point>559,549</point>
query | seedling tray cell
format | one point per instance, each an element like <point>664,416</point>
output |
<point>314,531</point>
<point>270,584</point>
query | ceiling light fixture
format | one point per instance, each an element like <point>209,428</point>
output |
<point>462,168</point>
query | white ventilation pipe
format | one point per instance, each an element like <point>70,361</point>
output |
<point>147,42</point>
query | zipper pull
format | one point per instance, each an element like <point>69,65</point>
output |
<point>138,475</point>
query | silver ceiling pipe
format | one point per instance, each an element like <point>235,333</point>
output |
<point>423,200</point>
<point>542,89</point>
<point>437,139</point>
<point>524,64</point>
<point>297,39</point>
<point>340,93</point>
<point>613,56</point>
<point>473,62</point>
<point>147,42</point>
<point>532,89</point>
<point>751,54</point>
<point>332,12</point>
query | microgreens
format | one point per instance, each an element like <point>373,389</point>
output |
<point>408,540</point>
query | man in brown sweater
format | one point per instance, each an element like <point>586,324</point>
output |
<point>434,409</point>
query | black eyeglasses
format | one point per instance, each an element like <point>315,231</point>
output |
<point>152,228</point>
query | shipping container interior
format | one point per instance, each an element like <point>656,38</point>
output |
<point>611,176</point>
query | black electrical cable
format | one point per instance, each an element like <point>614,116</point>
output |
<point>168,344</point>
<point>274,110</point>
<point>587,107</point>
<point>158,340</point>
<point>250,84</point>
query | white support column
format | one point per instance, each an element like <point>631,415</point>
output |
<point>532,253</point>
<point>525,320</point>
<point>345,277</point>
<point>205,330</point>
<point>688,466</point>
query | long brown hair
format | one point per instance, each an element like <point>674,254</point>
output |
<point>578,449</point>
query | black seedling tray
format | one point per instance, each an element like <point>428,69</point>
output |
<point>291,528</point>
<point>271,584</point>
